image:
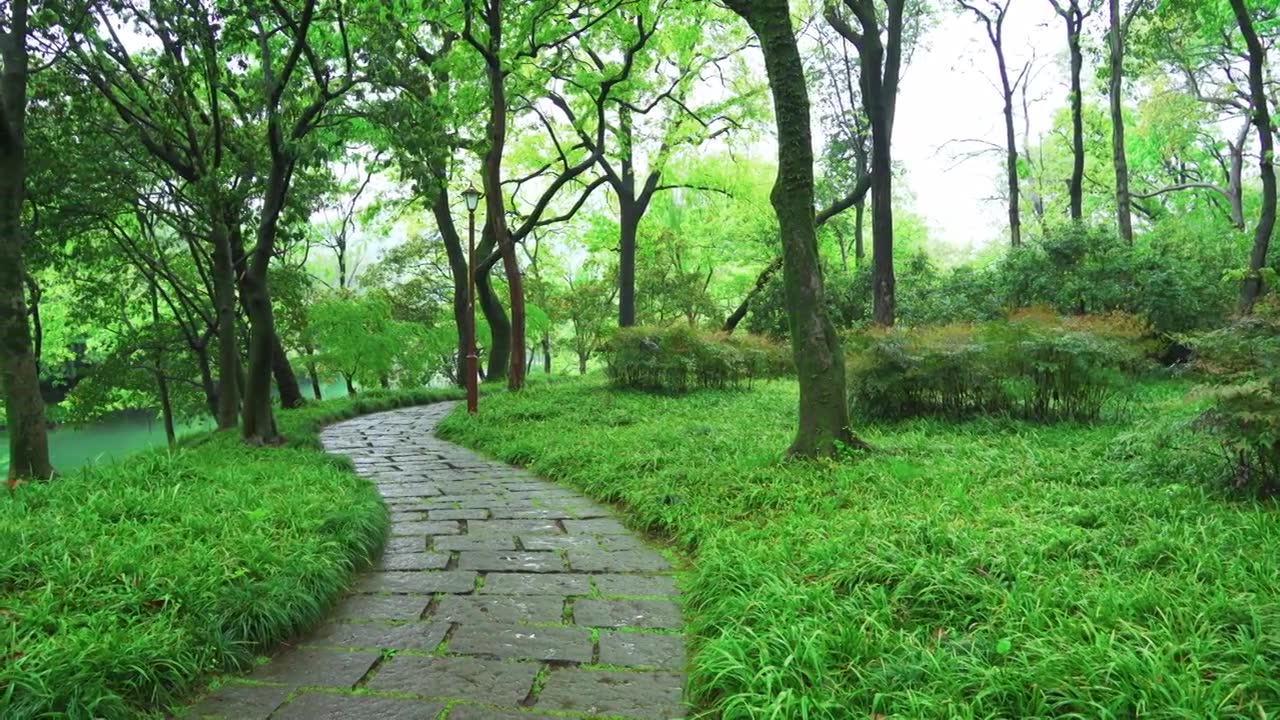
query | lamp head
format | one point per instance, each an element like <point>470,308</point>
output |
<point>472,197</point>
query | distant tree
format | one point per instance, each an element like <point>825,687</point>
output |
<point>1073,14</point>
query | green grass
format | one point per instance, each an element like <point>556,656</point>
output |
<point>988,569</point>
<point>122,586</point>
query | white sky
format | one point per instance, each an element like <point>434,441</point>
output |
<point>949,93</point>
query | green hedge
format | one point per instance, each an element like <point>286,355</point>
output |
<point>123,585</point>
<point>680,358</point>
<point>1034,365</point>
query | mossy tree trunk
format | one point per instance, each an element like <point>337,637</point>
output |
<point>19,378</point>
<point>824,411</point>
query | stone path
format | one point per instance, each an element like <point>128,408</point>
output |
<point>500,596</point>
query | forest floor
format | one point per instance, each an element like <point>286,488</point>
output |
<point>989,568</point>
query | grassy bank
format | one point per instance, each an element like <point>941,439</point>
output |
<point>122,585</point>
<point>972,570</point>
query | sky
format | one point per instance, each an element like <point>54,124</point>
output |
<point>949,95</point>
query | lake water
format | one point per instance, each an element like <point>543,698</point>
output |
<point>73,446</point>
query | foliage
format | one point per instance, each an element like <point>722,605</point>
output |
<point>1034,365</point>
<point>966,570</point>
<point>136,579</point>
<point>1244,415</point>
<point>680,358</point>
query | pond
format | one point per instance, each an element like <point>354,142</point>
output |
<point>114,438</point>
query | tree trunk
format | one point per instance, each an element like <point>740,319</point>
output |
<point>859,250</point>
<point>224,283</point>
<point>207,384</point>
<point>628,225</point>
<point>882,279</point>
<point>823,409</point>
<point>546,353</point>
<point>1010,139</point>
<point>582,364</point>
<point>457,270</point>
<point>1076,185</point>
<point>1119,156</point>
<point>495,202</point>
<point>1251,288</point>
<point>19,379</point>
<point>162,381</point>
<point>315,380</point>
<point>259,424</point>
<point>286,379</point>
<point>499,350</point>
<point>351,388</point>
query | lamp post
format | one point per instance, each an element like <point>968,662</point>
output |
<point>472,197</point>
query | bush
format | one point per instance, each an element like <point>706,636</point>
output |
<point>679,358</point>
<point>1034,365</point>
<point>1244,358</point>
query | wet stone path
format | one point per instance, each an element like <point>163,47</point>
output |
<point>499,596</point>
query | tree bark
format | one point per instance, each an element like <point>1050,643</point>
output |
<point>162,380</point>
<point>499,350</point>
<point>1119,155</point>
<point>1011,141</point>
<point>823,409</point>
<point>546,353</point>
<point>457,256</point>
<point>286,380</point>
<point>19,378</point>
<point>224,288</point>
<point>859,250</point>
<point>351,388</point>
<point>1251,288</point>
<point>628,225</point>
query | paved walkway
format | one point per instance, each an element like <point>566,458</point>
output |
<point>500,596</point>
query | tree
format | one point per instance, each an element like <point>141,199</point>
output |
<point>1074,14</point>
<point>992,13</point>
<point>24,406</point>
<point>824,412</point>
<point>287,127</point>
<point>1120,22</point>
<point>881,65</point>
<point>1251,288</point>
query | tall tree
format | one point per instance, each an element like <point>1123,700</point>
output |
<point>881,66</point>
<point>1251,288</point>
<point>294,108</point>
<point>1074,14</point>
<point>824,412</point>
<point>992,14</point>
<point>24,406</point>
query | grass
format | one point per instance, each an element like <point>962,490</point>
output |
<point>122,586</point>
<point>985,569</point>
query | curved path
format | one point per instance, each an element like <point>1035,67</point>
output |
<point>500,596</point>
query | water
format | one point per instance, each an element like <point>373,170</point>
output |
<point>74,446</point>
<point>115,438</point>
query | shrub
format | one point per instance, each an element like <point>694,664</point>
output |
<point>1244,358</point>
<point>1033,365</point>
<point>680,357</point>
<point>932,371</point>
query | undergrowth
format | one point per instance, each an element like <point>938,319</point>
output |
<point>981,569</point>
<point>123,585</point>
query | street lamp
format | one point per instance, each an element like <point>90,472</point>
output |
<point>472,197</point>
